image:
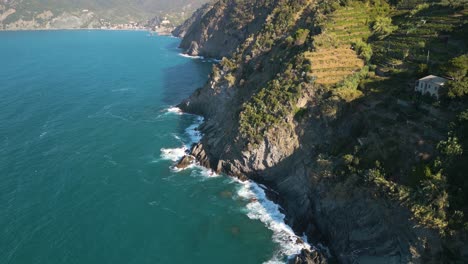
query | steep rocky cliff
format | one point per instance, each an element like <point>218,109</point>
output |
<point>218,28</point>
<point>284,108</point>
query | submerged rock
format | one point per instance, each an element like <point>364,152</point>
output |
<point>186,161</point>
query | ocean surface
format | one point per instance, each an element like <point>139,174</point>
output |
<point>88,137</point>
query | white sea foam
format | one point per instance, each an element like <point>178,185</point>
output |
<point>200,171</point>
<point>175,110</point>
<point>191,57</point>
<point>193,132</point>
<point>260,208</point>
<point>173,154</point>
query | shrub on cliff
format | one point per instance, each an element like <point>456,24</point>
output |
<point>300,36</point>
<point>457,69</point>
<point>363,49</point>
<point>383,27</point>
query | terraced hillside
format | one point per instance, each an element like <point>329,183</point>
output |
<point>334,57</point>
<point>424,39</point>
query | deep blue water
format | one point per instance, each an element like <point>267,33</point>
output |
<point>86,142</point>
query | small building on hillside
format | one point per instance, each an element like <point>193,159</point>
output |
<point>165,22</point>
<point>431,85</point>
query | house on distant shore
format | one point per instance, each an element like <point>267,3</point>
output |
<point>165,22</point>
<point>431,85</point>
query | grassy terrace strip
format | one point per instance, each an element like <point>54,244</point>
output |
<point>333,58</point>
<point>419,33</point>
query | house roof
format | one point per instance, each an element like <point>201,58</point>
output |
<point>434,79</point>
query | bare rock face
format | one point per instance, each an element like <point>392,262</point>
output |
<point>186,161</point>
<point>199,153</point>
<point>196,17</point>
<point>193,49</point>
<point>217,29</point>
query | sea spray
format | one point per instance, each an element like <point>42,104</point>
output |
<point>175,110</point>
<point>194,136</point>
<point>173,154</point>
<point>259,207</point>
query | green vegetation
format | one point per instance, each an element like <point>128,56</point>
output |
<point>300,36</point>
<point>383,27</point>
<point>271,104</point>
<point>360,59</point>
<point>341,49</point>
<point>410,43</point>
<point>364,50</point>
<point>457,69</point>
<point>421,39</point>
<point>427,34</point>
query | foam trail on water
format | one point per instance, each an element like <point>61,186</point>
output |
<point>191,57</point>
<point>268,212</point>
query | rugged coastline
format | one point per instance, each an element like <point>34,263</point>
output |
<point>263,203</point>
<point>303,151</point>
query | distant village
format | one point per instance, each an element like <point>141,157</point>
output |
<point>162,26</point>
<point>131,25</point>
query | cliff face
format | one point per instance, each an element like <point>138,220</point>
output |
<point>217,29</point>
<point>270,120</point>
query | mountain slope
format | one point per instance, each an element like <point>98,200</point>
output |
<point>359,161</point>
<point>115,11</point>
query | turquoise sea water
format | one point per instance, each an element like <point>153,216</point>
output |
<point>86,146</point>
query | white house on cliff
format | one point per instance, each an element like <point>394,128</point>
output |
<point>430,85</point>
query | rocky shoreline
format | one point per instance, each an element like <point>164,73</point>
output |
<point>317,255</point>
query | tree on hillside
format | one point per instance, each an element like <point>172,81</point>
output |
<point>383,27</point>
<point>363,49</point>
<point>300,36</point>
<point>457,69</point>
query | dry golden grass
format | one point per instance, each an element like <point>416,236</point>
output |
<point>331,66</point>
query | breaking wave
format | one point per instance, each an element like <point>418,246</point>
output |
<point>261,208</point>
<point>191,57</point>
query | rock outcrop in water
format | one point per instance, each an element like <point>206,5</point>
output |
<point>273,116</point>
<point>186,161</point>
